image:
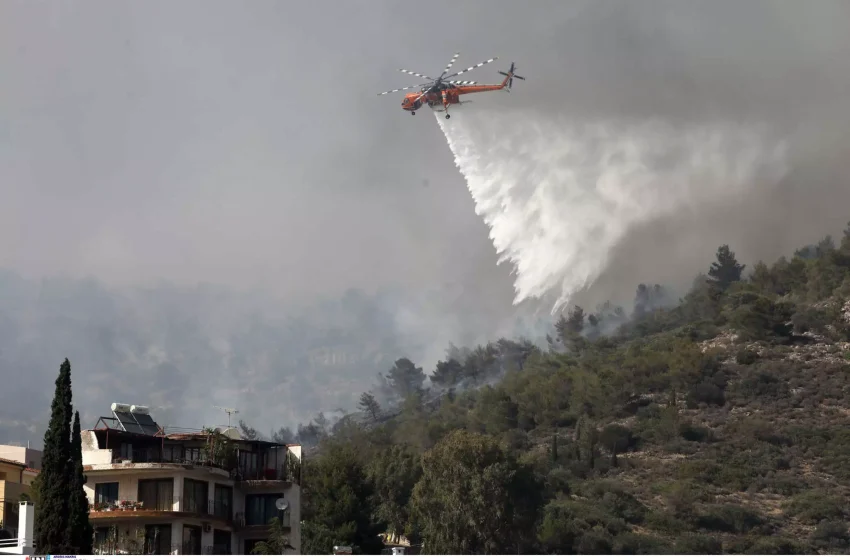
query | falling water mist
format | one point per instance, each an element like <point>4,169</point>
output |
<point>558,196</point>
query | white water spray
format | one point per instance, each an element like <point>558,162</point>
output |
<point>558,196</point>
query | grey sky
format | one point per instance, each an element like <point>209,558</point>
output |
<point>243,143</point>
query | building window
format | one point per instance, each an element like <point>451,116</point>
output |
<point>157,494</point>
<point>158,539</point>
<point>195,496</point>
<point>191,540</point>
<point>248,464</point>
<point>104,541</point>
<point>260,508</point>
<point>223,502</point>
<point>125,451</point>
<point>194,455</point>
<point>221,542</point>
<point>106,492</point>
<point>172,454</point>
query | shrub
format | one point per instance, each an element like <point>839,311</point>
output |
<point>746,357</point>
<point>815,506</point>
<point>731,519</point>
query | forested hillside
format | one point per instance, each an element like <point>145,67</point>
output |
<point>719,424</point>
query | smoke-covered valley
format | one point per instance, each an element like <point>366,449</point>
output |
<point>183,350</point>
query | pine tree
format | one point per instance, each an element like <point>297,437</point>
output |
<point>368,403</point>
<point>80,532</point>
<point>51,531</point>
<point>726,269</point>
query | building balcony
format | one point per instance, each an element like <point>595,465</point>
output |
<point>208,508</point>
<point>260,523</point>
<point>147,458</point>
<point>185,508</point>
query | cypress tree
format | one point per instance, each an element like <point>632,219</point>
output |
<point>51,527</point>
<point>80,532</point>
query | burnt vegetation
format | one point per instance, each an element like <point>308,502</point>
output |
<point>716,423</point>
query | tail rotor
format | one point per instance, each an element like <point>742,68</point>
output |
<point>510,76</point>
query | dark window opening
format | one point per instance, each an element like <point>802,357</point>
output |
<point>158,539</point>
<point>260,509</point>
<point>191,540</point>
<point>221,542</point>
<point>157,494</point>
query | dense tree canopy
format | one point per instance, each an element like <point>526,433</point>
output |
<point>713,422</point>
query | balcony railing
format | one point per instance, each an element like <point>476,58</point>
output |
<point>133,505</point>
<point>191,548</point>
<point>155,455</point>
<point>242,520</point>
<point>237,472</point>
<point>216,508</point>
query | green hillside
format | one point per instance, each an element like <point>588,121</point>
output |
<point>719,424</point>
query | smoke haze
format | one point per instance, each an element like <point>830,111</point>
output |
<point>242,145</point>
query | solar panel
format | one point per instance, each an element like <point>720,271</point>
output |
<point>147,424</point>
<point>128,423</point>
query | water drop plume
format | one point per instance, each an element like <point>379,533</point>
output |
<point>559,195</point>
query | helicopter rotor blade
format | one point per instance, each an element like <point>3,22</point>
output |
<point>451,62</point>
<point>402,89</point>
<point>479,65</point>
<point>418,75</point>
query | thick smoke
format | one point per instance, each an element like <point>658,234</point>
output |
<point>560,196</point>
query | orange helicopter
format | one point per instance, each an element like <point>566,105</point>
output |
<point>442,92</point>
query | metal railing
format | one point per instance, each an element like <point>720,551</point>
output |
<point>190,548</point>
<point>242,520</point>
<point>215,508</point>
<point>133,505</point>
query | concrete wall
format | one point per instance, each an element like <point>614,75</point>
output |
<point>92,454</point>
<point>30,457</point>
<point>11,473</point>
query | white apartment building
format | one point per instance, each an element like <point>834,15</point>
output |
<point>157,490</point>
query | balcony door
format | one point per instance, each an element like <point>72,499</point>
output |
<point>106,493</point>
<point>223,502</point>
<point>260,508</point>
<point>191,540</point>
<point>158,539</point>
<point>157,494</point>
<point>195,496</point>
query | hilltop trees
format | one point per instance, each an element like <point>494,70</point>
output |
<point>405,378</point>
<point>369,405</point>
<point>63,526</point>
<point>726,269</point>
